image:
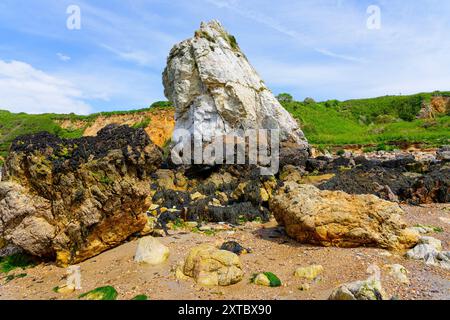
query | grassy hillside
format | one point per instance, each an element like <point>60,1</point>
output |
<point>370,121</point>
<point>376,121</point>
<point>16,124</point>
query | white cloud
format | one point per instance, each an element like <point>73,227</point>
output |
<point>274,24</point>
<point>140,57</point>
<point>24,88</point>
<point>63,57</point>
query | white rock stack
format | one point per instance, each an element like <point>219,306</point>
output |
<point>216,91</point>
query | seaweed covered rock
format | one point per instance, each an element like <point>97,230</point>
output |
<point>231,194</point>
<point>385,179</point>
<point>334,218</point>
<point>267,279</point>
<point>72,199</point>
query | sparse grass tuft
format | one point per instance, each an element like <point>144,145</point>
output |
<point>12,277</point>
<point>15,261</point>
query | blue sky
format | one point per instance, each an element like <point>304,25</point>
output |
<point>312,48</point>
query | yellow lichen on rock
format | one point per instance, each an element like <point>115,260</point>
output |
<point>309,273</point>
<point>210,266</point>
<point>334,218</point>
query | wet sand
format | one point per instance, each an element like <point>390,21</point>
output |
<point>272,251</point>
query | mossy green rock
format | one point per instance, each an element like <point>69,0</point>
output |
<point>102,293</point>
<point>267,279</point>
<point>141,297</point>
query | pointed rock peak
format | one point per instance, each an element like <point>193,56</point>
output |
<point>216,91</point>
<point>213,30</point>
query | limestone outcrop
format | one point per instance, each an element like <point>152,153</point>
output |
<point>72,199</point>
<point>335,218</point>
<point>215,90</point>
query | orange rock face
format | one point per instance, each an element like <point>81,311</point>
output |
<point>159,124</point>
<point>335,218</point>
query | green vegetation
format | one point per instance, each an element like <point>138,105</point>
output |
<point>378,121</point>
<point>161,105</point>
<point>143,124</point>
<point>141,297</point>
<point>12,277</point>
<point>106,180</point>
<point>13,125</point>
<point>203,34</point>
<point>17,124</point>
<point>285,97</point>
<point>375,123</point>
<point>15,261</point>
<point>434,228</point>
<point>273,279</point>
<point>102,293</point>
<point>233,42</point>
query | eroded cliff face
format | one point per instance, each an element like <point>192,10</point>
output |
<point>215,90</point>
<point>70,200</point>
<point>159,124</point>
<point>438,105</point>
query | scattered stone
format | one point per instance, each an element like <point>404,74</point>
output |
<point>191,224</point>
<point>436,243</point>
<point>234,247</point>
<point>309,273</point>
<point>385,254</point>
<point>304,287</point>
<point>267,279</point>
<point>262,280</point>
<point>210,266</point>
<point>429,250</point>
<point>445,219</point>
<point>197,196</point>
<point>151,251</point>
<point>421,251</point>
<point>399,273</point>
<point>443,153</point>
<point>369,289</point>
<point>359,290</point>
<point>334,218</point>
<point>65,289</point>
<point>205,228</point>
<point>423,229</point>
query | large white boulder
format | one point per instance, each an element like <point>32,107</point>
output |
<point>215,90</point>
